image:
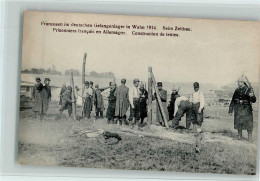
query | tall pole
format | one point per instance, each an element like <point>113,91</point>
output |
<point>73,97</point>
<point>150,98</point>
<point>83,82</point>
<point>159,101</point>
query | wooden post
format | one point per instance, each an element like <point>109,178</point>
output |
<point>159,101</point>
<point>83,82</point>
<point>150,94</point>
<point>73,97</point>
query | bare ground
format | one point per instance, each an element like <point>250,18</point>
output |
<point>60,141</point>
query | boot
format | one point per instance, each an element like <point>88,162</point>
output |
<point>97,115</point>
<point>250,139</point>
<point>101,114</point>
<point>142,121</point>
<point>239,134</point>
<point>108,121</point>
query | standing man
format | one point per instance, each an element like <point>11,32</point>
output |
<point>88,94</point>
<point>46,95</point>
<point>241,104</point>
<point>171,106</point>
<point>134,99</point>
<point>163,97</point>
<point>122,102</point>
<point>98,101</point>
<point>37,97</point>
<point>198,102</point>
<point>63,89</point>
<point>143,102</point>
<point>182,106</point>
<point>93,93</point>
<point>111,103</point>
<point>67,101</point>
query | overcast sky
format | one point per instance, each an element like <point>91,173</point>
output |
<point>213,52</point>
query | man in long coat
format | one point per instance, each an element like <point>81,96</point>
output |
<point>143,102</point>
<point>37,97</point>
<point>241,104</point>
<point>163,97</point>
<point>46,95</point>
<point>122,102</point>
<point>98,101</point>
<point>110,115</point>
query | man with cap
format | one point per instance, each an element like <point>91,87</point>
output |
<point>171,106</point>
<point>241,104</point>
<point>134,99</point>
<point>67,101</point>
<point>88,94</point>
<point>197,102</point>
<point>111,103</point>
<point>37,97</point>
<point>46,95</point>
<point>122,102</point>
<point>143,102</point>
<point>63,89</point>
<point>163,97</point>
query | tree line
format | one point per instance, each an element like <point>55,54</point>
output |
<point>53,71</point>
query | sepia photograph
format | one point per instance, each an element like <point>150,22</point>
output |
<point>139,93</point>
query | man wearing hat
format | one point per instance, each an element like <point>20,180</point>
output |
<point>122,102</point>
<point>134,99</point>
<point>197,103</point>
<point>46,95</point>
<point>111,103</point>
<point>37,97</point>
<point>163,97</point>
<point>171,106</point>
<point>241,104</point>
<point>88,94</point>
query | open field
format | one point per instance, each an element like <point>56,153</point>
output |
<point>60,141</point>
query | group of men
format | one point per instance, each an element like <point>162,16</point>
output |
<point>41,95</point>
<point>121,98</point>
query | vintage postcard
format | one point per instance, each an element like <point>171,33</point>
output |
<point>139,93</point>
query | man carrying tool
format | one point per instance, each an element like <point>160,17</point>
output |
<point>241,104</point>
